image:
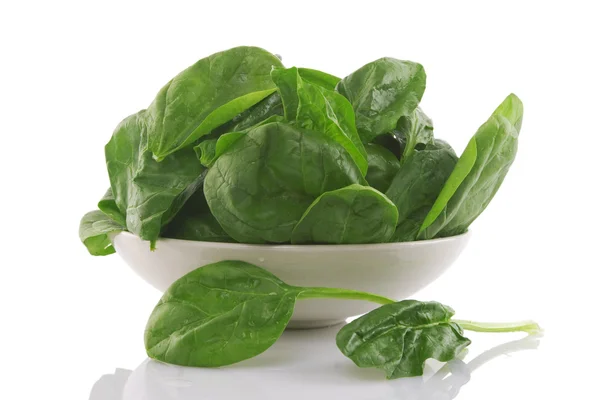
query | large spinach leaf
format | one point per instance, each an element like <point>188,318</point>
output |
<point>478,174</point>
<point>316,108</point>
<point>206,95</point>
<point>354,214</point>
<point>398,338</point>
<point>382,92</point>
<point>416,186</point>
<point>383,166</point>
<point>148,192</point>
<point>219,314</point>
<point>259,188</point>
<point>94,230</point>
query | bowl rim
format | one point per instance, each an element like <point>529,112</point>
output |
<point>303,247</point>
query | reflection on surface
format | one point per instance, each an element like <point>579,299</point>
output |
<point>301,364</point>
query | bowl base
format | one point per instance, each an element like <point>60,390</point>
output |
<point>314,324</point>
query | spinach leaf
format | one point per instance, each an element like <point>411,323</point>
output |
<point>94,230</point>
<point>383,166</point>
<point>416,186</point>
<point>148,192</point>
<point>108,206</point>
<point>195,222</point>
<point>230,311</point>
<point>478,174</point>
<point>323,79</point>
<point>206,95</point>
<point>414,129</point>
<point>218,315</point>
<point>259,188</point>
<point>354,214</point>
<point>313,107</point>
<point>382,92</point>
<point>398,338</point>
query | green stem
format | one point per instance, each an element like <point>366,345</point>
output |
<point>525,326</point>
<point>315,293</point>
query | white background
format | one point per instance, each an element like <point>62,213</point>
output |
<point>70,71</point>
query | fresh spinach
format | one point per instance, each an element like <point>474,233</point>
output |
<point>206,95</point>
<point>230,311</point>
<point>94,230</point>
<point>478,174</point>
<point>383,166</point>
<point>400,337</point>
<point>260,187</point>
<point>354,214</point>
<point>271,140</point>
<point>416,186</point>
<point>382,92</point>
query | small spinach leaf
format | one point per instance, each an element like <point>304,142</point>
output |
<point>218,315</point>
<point>354,214</point>
<point>383,166</point>
<point>478,174</point>
<point>382,92</point>
<point>398,338</point>
<point>259,188</point>
<point>206,95</point>
<point>313,107</point>
<point>416,186</point>
<point>94,230</point>
<point>148,192</point>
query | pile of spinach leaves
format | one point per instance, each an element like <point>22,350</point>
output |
<point>238,148</point>
<point>230,311</point>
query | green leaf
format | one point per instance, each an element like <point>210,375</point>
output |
<point>382,92</point>
<point>398,338</point>
<point>108,206</point>
<point>414,129</point>
<point>218,315</point>
<point>416,186</point>
<point>259,188</point>
<point>354,214</point>
<point>323,79</point>
<point>195,222</point>
<point>148,192</point>
<point>94,230</point>
<point>478,174</point>
<point>316,108</point>
<point>383,166</point>
<point>206,95</point>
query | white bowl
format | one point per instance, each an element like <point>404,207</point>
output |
<point>395,270</point>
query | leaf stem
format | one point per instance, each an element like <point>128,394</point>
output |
<point>315,293</point>
<point>525,326</point>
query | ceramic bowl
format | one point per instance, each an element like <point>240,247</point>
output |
<point>394,270</point>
